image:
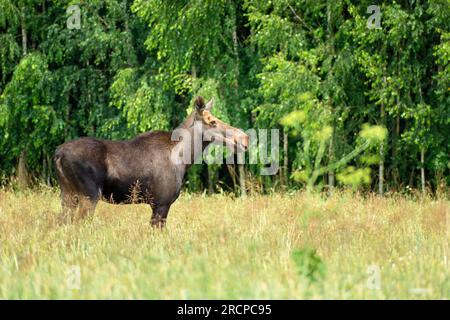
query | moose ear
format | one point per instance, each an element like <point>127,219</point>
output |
<point>209,105</point>
<point>199,103</point>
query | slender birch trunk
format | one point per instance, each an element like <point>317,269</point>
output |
<point>23,176</point>
<point>285,159</point>
<point>241,168</point>
<point>422,170</point>
<point>331,145</point>
<point>24,31</point>
<point>381,164</point>
<point>331,179</point>
<point>22,168</point>
<point>210,180</point>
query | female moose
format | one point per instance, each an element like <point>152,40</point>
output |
<point>143,169</point>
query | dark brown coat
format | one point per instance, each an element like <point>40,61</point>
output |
<point>137,170</point>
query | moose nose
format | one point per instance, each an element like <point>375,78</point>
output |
<point>243,140</point>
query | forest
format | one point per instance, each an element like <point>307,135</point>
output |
<point>359,90</point>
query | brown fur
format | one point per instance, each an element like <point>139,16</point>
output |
<point>136,170</point>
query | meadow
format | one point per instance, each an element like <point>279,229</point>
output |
<point>296,246</point>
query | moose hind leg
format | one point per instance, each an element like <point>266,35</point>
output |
<point>159,216</point>
<point>88,198</point>
<point>77,207</point>
<point>69,204</point>
<point>78,203</point>
<point>87,206</point>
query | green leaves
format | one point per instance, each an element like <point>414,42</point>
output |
<point>141,100</point>
<point>308,264</point>
<point>373,134</point>
<point>29,120</point>
<point>9,14</point>
<point>293,119</point>
<point>351,176</point>
<point>60,90</point>
<point>186,35</point>
<point>311,68</point>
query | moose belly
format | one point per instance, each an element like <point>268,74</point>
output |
<point>136,190</point>
<point>128,191</point>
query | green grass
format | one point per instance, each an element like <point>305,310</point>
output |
<point>220,247</point>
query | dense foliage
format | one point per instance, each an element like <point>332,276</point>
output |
<point>357,106</point>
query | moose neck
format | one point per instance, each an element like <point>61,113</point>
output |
<point>190,145</point>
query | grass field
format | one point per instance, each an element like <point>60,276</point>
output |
<point>220,247</point>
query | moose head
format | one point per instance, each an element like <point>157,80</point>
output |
<point>217,131</point>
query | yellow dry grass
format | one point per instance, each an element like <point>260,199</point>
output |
<point>221,247</point>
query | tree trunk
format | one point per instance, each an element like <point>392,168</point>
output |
<point>381,164</point>
<point>422,170</point>
<point>331,53</point>
<point>395,138</point>
<point>23,177</point>
<point>395,170</point>
<point>44,168</point>
<point>440,186</point>
<point>381,171</point>
<point>49,170</point>
<point>232,171</point>
<point>242,180</point>
<point>210,179</point>
<point>127,30</point>
<point>241,168</point>
<point>331,160</point>
<point>422,153</point>
<point>285,159</point>
<point>24,31</point>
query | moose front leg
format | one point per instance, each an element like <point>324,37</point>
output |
<point>159,216</point>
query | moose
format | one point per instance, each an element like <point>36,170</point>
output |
<point>147,169</point>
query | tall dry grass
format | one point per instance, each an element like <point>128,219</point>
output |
<point>220,247</point>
